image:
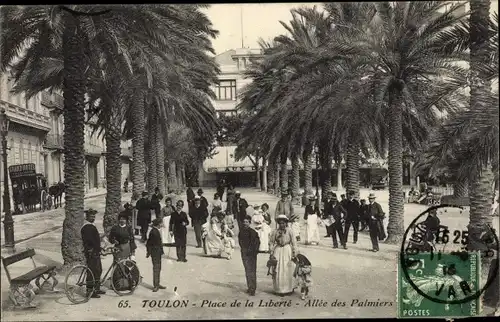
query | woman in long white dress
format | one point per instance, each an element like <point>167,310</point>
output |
<point>166,212</point>
<point>213,239</point>
<point>216,203</point>
<point>283,248</point>
<point>263,229</point>
<point>311,216</point>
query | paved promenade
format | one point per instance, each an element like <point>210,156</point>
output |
<point>351,276</point>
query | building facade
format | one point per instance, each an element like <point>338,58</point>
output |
<point>231,81</point>
<point>36,136</point>
<point>233,63</point>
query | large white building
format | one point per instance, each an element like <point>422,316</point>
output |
<point>233,63</point>
<point>231,81</point>
<point>36,136</point>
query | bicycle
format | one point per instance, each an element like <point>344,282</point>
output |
<point>125,277</point>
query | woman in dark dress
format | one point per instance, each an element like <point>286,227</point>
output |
<point>178,223</point>
<point>123,237</point>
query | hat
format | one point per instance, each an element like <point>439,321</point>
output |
<point>122,215</point>
<point>90,211</point>
<point>256,206</point>
<point>200,190</point>
<point>371,196</point>
<point>281,217</point>
<point>237,193</point>
<point>144,193</point>
<point>157,222</point>
<point>312,197</point>
<point>284,194</point>
<point>197,198</point>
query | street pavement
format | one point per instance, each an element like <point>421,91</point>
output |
<point>351,276</point>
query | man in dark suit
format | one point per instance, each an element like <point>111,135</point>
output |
<point>92,249</point>
<point>221,187</point>
<point>239,208</point>
<point>328,211</point>
<point>155,202</point>
<point>204,201</point>
<point>190,197</point>
<point>249,244</point>
<point>338,215</point>
<point>352,218</point>
<point>143,207</point>
<point>375,217</point>
<point>198,215</point>
<point>154,248</point>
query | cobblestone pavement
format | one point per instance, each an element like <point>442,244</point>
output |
<point>351,276</point>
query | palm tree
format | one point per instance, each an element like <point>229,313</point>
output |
<point>404,45</point>
<point>45,33</point>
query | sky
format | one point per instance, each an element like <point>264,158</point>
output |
<point>259,20</point>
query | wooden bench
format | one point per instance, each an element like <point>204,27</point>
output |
<point>21,290</point>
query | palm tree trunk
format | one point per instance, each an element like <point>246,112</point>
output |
<point>257,173</point>
<point>308,174</point>
<point>480,216</point>
<point>295,176</point>
<point>352,165</point>
<point>284,173</point>
<point>461,188</point>
<point>74,140</point>
<point>277,178</point>
<point>113,172</point>
<point>395,227</point>
<point>138,136</point>
<point>480,191</point>
<point>339,175</point>
<point>326,176</point>
<point>272,174</point>
<point>264,175</point>
<point>160,159</point>
<point>173,174</point>
<point>178,176</point>
<point>151,158</point>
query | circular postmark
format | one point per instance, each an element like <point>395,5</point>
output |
<point>435,261</point>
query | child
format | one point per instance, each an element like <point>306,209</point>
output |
<point>227,240</point>
<point>302,274</point>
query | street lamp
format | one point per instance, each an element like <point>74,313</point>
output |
<point>316,153</point>
<point>8,222</point>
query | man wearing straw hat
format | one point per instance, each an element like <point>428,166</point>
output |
<point>375,217</point>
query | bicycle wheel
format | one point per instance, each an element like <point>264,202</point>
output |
<point>76,284</point>
<point>125,277</point>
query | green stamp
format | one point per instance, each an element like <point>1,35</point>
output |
<point>450,283</point>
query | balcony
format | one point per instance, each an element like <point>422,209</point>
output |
<point>94,150</point>
<point>54,142</point>
<point>53,101</point>
<point>24,116</point>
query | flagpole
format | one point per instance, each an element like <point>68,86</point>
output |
<point>241,22</point>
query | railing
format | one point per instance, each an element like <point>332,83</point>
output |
<point>52,100</point>
<point>54,141</point>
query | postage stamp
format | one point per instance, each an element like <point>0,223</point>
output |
<point>439,275</point>
<point>446,278</point>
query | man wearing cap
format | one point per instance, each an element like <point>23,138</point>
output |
<point>351,205</point>
<point>92,250</point>
<point>239,208</point>
<point>375,217</point>
<point>154,248</point>
<point>283,207</point>
<point>198,215</point>
<point>143,207</point>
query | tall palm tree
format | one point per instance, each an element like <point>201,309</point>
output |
<point>404,47</point>
<point>46,32</point>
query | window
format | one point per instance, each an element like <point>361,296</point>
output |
<point>226,90</point>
